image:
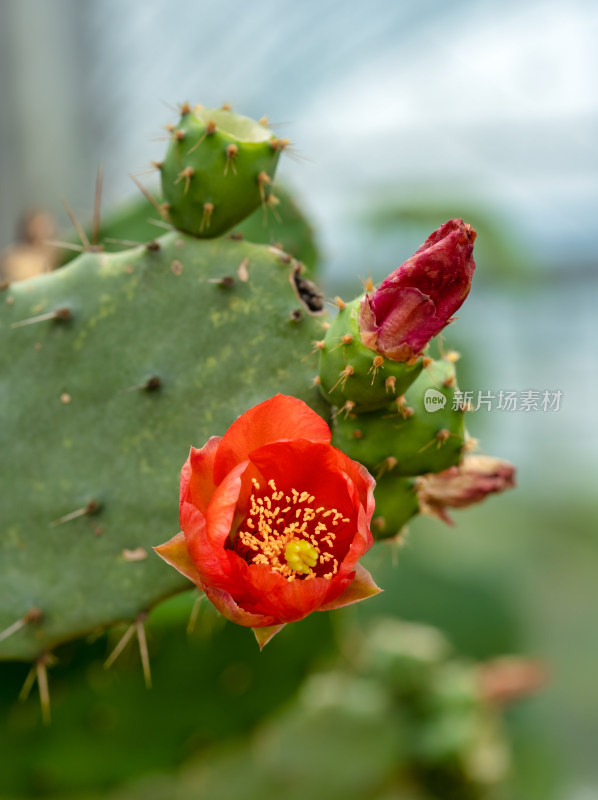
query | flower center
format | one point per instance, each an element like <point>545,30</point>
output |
<point>288,534</point>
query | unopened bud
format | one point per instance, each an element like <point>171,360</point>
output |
<point>420,297</point>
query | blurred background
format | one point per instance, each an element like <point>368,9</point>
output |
<point>402,115</point>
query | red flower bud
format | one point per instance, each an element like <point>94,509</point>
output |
<point>419,298</point>
<point>274,519</point>
<point>458,487</point>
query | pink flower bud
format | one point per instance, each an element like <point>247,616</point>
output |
<point>419,298</point>
<point>458,487</point>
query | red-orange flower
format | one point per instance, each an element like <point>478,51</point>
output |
<point>274,519</point>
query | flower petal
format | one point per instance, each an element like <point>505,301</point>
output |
<point>306,466</point>
<point>268,593</point>
<point>264,635</point>
<point>197,481</point>
<point>233,612</point>
<point>175,553</point>
<point>411,321</point>
<point>276,419</point>
<point>361,587</point>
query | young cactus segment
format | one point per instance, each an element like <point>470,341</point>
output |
<point>218,170</point>
<point>351,373</point>
<point>418,433</point>
<point>396,503</point>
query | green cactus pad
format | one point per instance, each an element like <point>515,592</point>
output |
<point>406,438</point>
<point>135,221</point>
<point>217,170</point>
<point>352,373</point>
<point>110,369</point>
<point>396,504</point>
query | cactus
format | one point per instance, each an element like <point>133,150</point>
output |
<point>218,169</point>
<point>114,365</point>
<point>137,220</point>
<point>118,362</point>
<point>351,375</point>
<point>406,438</point>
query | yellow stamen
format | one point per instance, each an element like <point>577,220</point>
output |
<point>300,556</point>
<point>293,544</point>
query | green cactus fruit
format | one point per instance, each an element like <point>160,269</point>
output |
<point>110,369</point>
<point>396,504</point>
<point>351,375</point>
<point>420,432</point>
<point>218,170</point>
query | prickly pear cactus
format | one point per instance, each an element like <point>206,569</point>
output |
<point>286,227</point>
<point>406,437</point>
<point>351,375</point>
<point>218,169</point>
<point>112,366</point>
<point>109,369</point>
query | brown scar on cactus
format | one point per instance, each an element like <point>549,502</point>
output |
<point>89,509</point>
<point>138,628</point>
<point>307,292</point>
<point>296,315</point>
<point>60,314</point>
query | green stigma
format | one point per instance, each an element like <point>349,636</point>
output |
<point>300,555</point>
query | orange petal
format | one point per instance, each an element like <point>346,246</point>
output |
<point>210,561</point>
<point>197,475</point>
<point>221,511</point>
<point>361,587</point>
<point>263,635</point>
<point>274,420</point>
<point>175,553</point>
<point>233,612</point>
